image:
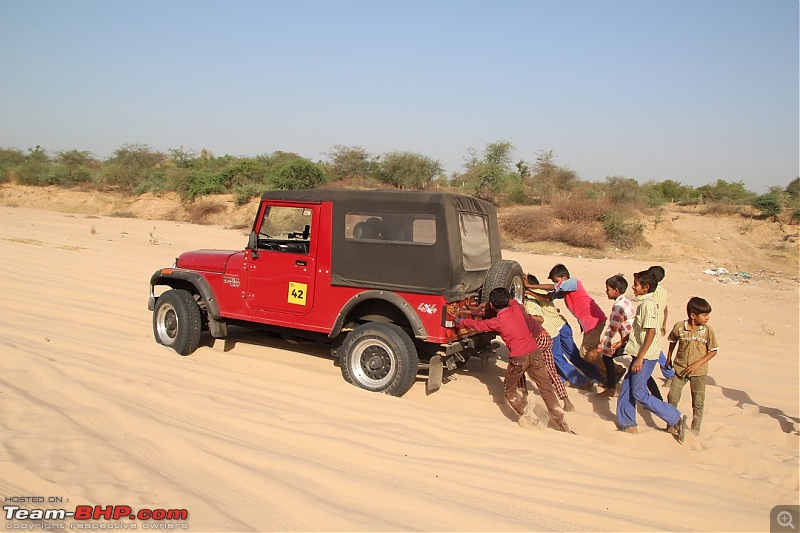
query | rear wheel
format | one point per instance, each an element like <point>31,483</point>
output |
<point>379,357</point>
<point>507,274</point>
<point>176,321</point>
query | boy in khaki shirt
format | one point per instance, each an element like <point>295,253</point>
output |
<point>697,345</point>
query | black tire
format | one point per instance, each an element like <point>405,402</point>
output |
<point>379,357</point>
<point>176,321</point>
<point>508,274</point>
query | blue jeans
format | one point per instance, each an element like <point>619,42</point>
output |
<point>666,372</point>
<point>568,360</point>
<point>634,389</point>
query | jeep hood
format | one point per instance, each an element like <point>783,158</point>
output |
<point>206,260</point>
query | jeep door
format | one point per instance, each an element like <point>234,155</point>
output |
<point>281,278</point>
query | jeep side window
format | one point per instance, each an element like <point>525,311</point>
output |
<point>402,228</point>
<point>285,229</point>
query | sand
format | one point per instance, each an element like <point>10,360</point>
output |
<point>255,433</point>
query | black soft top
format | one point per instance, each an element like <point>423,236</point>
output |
<point>453,266</point>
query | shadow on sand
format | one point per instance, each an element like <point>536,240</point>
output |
<point>787,423</point>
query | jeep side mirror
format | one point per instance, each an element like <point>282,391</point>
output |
<point>252,244</point>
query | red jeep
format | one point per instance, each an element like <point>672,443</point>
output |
<point>380,275</point>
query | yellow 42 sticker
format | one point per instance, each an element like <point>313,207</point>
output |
<point>297,293</point>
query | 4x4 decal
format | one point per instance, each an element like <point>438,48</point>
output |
<point>430,309</point>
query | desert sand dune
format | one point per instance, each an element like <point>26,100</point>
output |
<point>254,433</point>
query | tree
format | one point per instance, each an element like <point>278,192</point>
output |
<point>351,162</point>
<point>548,178</point>
<point>623,191</point>
<point>130,166</point>
<point>489,171</point>
<point>674,191</point>
<point>36,169</point>
<point>75,166</point>
<point>406,170</point>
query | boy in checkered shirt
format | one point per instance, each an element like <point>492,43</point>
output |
<point>620,323</point>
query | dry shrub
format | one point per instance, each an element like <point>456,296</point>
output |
<point>200,211</point>
<point>580,210</point>
<point>720,209</point>
<point>580,234</point>
<point>539,224</point>
<point>527,224</point>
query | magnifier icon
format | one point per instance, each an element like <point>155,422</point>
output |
<point>785,519</point>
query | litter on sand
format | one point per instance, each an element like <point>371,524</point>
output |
<point>724,276</point>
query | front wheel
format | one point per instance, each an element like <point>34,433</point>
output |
<point>379,357</point>
<point>176,321</point>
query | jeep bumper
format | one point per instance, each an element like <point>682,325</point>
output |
<point>457,351</point>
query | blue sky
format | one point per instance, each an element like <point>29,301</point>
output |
<point>692,91</point>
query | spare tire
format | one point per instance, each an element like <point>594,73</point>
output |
<point>507,274</point>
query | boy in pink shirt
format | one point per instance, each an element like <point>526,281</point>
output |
<point>590,317</point>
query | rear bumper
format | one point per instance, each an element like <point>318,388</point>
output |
<point>478,343</point>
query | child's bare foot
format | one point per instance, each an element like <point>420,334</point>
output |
<point>609,392</point>
<point>568,405</point>
<point>633,430</point>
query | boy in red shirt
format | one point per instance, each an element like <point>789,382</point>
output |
<point>523,354</point>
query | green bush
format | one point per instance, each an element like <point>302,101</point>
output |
<point>726,192</point>
<point>244,193</point>
<point>204,182</point>
<point>297,174</point>
<point>793,189</point>
<point>621,231</point>
<point>159,182</point>
<point>245,172</point>
<point>10,159</point>
<point>516,194</point>
<point>769,205</point>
